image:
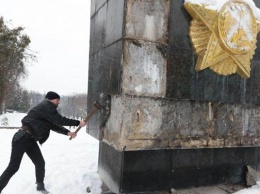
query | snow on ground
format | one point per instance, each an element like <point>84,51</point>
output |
<point>11,119</point>
<point>71,166</point>
<point>253,190</point>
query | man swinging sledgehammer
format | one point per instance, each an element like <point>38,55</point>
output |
<point>36,126</point>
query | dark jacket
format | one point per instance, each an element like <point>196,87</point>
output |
<point>45,117</point>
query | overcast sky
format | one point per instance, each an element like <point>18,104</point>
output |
<point>59,33</point>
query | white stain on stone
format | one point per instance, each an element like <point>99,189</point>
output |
<point>149,31</point>
<point>145,71</point>
<point>152,26</point>
<point>139,88</point>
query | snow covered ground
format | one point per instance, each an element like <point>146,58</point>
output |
<point>71,166</point>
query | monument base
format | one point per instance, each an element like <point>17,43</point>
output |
<point>164,169</point>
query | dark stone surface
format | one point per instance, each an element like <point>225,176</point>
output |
<point>106,48</point>
<point>109,166</point>
<point>104,76</point>
<point>161,170</point>
<point>99,31</point>
<point>99,3</point>
<point>114,25</point>
<point>253,86</point>
<point>110,70</point>
<point>93,127</point>
<point>257,51</point>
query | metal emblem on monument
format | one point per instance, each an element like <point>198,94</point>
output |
<point>224,40</point>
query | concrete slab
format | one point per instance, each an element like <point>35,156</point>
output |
<point>203,190</point>
<point>220,189</point>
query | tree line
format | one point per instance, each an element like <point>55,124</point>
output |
<point>72,106</point>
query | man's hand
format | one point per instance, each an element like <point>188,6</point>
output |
<point>72,134</point>
<point>82,123</point>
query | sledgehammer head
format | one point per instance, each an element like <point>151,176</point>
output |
<point>98,106</point>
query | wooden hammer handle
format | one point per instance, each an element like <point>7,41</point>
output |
<point>86,119</point>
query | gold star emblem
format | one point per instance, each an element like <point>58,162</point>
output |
<point>225,41</point>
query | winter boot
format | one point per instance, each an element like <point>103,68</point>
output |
<point>40,187</point>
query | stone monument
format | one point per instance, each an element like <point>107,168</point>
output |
<point>181,85</point>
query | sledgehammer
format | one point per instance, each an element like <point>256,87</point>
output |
<point>97,106</point>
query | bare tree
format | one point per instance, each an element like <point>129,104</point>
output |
<point>14,52</point>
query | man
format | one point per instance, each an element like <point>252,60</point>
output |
<point>36,126</point>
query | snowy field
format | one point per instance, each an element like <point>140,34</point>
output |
<point>71,166</point>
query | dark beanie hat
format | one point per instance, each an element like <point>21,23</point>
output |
<point>52,95</point>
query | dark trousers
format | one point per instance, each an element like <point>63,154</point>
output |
<point>23,143</point>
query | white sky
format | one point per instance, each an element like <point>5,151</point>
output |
<point>59,33</point>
